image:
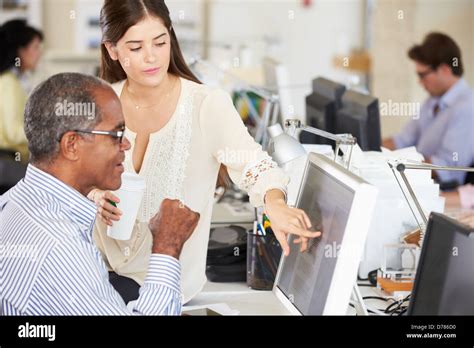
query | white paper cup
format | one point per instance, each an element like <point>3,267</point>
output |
<point>130,194</point>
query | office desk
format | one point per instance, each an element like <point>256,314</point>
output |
<point>254,302</point>
<point>239,297</point>
<point>459,213</point>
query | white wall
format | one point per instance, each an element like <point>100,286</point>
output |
<point>58,24</point>
<point>393,30</point>
<point>188,18</point>
<point>309,37</point>
<point>394,74</point>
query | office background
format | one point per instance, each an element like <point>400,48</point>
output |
<point>310,38</point>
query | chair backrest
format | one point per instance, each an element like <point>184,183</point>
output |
<point>10,173</point>
<point>9,154</point>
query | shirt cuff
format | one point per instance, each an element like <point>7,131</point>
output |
<point>164,270</point>
<point>273,179</point>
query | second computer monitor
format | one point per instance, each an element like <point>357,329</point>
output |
<point>359,116</point>
<point>444,283</point>
<point>321,107</point>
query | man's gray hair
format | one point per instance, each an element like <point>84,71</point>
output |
<point>62,103</point>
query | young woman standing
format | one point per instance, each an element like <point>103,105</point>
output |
<point>181,133</point>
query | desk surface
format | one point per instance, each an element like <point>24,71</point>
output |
<point>238,296</point>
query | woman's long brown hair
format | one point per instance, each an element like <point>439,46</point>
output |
<point>116,17</point>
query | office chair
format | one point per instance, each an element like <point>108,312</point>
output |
<point>8,154</point>
<point>11,171</point>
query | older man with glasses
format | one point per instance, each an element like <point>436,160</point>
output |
<point>443,132</point>
<point>49,263</point>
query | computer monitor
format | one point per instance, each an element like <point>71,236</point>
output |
<point>359,116</point>
<point>444,282</point>
<point>340,205</point>
<point>277,80</point>
<point>321,107</point>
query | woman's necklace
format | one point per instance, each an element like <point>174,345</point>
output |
<point>138,107</point>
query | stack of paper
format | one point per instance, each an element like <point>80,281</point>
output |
<point>393,216</point>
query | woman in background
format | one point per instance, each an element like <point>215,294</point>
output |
<point>181,133</point>
<point>20,47</point>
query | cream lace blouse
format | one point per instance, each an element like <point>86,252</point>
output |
<point>182,162</point>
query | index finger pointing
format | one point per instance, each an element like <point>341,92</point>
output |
<point>304,233</point>
<point>308,221</point>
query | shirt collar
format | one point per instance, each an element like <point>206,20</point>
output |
<point>78,207</point>
<point>453,93</point>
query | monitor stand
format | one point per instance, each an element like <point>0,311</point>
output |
<point>359,304</point>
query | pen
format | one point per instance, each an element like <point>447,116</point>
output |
<point>262,229</point>
<point>266,224</point>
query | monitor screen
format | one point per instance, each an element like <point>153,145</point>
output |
<point>317,118</point>
<point>360,117</point>
<point>444,283</point>
<point>321,107</point>
<point>305,278</point>
<point>320,113</point>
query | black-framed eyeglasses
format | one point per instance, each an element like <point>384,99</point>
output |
<point>114,134</point>
<point>423,74</point>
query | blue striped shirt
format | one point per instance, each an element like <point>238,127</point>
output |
<point>49,264</point>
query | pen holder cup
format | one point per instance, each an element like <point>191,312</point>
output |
<point>263,258</point>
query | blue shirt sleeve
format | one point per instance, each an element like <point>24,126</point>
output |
<point>412,131</point>
<point>409,135</point>
<point>77,284</point>
<point>457,147</point>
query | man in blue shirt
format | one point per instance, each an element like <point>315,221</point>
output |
<point>48,261</point>
<point>443,132</point>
